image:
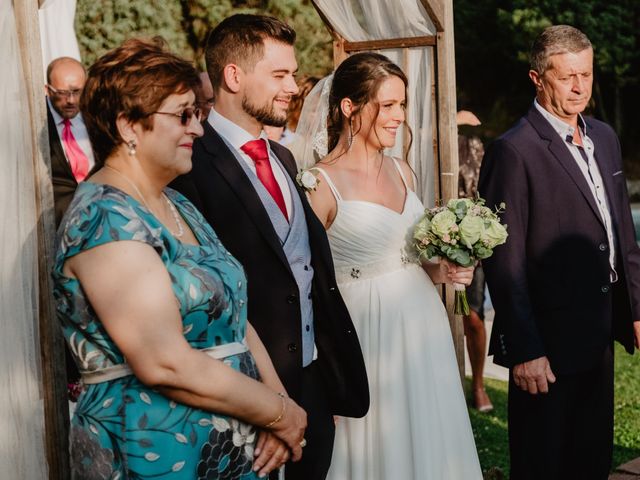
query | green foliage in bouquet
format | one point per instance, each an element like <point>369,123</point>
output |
<point>463,231</point>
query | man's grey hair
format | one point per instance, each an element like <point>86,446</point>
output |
<point>556,40</point>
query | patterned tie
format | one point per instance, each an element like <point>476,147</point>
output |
<point>257,150</point>
<point>77,159</point>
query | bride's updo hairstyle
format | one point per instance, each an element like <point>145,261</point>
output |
<point>358,78</point>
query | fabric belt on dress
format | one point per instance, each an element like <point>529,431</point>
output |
<point>353,273</point>
<point>123,369</point>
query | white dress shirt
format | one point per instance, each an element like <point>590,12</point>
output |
<point>79,131</point>
<point>590,171</point>
<point>237,136</point>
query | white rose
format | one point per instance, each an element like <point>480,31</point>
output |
<point>307,180</point>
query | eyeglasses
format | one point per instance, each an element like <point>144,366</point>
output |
<point>65,93</point>
<point>186,115</point>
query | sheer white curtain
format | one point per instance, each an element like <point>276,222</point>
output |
<point>22,449</point>
<point>398,19</point>
<point>57,31</point>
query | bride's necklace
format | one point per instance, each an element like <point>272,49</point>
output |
<point>172,208</point>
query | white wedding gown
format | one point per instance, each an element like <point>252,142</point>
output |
<point>418,425</point>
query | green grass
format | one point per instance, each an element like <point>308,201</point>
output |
<point>490,430</point>
<point>626,432</point>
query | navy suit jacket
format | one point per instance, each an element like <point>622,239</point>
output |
<point>221,190</point>
<point>550,282</point>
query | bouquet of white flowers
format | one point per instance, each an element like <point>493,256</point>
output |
<point>463,232</point>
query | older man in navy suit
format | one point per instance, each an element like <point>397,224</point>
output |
<point>567,283</point>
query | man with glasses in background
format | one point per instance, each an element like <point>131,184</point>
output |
<point>71,153</point>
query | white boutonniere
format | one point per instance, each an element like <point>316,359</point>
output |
<point>308,179</point>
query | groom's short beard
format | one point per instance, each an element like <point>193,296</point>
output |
<point>265,115</point>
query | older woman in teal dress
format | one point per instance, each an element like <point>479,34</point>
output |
<point>153,307</point>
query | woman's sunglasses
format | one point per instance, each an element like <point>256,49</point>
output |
<point>186,115</point>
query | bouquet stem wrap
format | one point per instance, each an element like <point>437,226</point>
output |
<point>461,303</point>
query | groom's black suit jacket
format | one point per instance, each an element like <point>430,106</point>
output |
<point>221,190</point>
<point>550,282</point>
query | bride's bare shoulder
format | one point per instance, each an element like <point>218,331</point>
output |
<point>406,169</point>
<point>321,197</point>
<point>329,163</point>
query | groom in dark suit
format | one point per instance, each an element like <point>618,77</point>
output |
<point>245,187</point>
<point>567,282</point>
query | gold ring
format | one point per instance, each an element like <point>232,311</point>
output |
<point>303,443</point>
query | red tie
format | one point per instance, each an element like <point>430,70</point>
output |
<point>257,150</point>
<point>77,159</point>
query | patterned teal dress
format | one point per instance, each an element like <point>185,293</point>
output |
<point>121,428</point>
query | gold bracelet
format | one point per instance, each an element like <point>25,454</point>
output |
<point>279,417</point>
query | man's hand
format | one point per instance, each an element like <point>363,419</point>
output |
<point>636,333</point>
<point>535,375</point>
<point>270,453</point>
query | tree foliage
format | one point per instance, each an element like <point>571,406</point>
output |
<point>103,25</point>
<point>493,38</point>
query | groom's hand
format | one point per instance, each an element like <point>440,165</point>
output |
<point>636,333</point>
<point>269,454</point>
<point>534,376</point>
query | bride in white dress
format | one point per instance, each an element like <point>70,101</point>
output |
<point>418,426</point>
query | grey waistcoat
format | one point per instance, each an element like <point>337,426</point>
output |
<point>294,238</point>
